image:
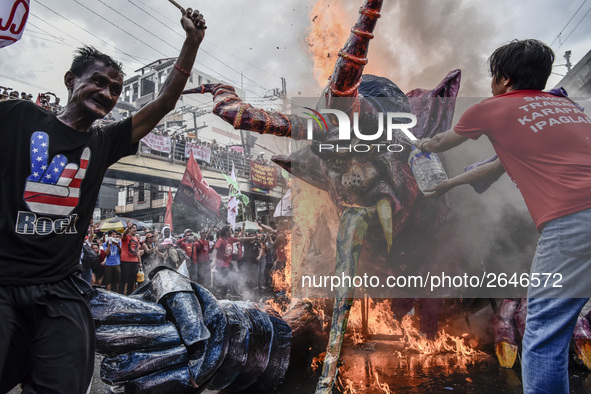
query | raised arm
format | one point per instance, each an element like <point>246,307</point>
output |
<point>267,228</point>
<point>441,142</point>
<point>148,117</point>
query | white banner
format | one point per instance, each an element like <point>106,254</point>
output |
<point>157,142</point>
<point>13,17</point>
<point>232,202</point>
<point>201,152</point>
<point>284,207</point>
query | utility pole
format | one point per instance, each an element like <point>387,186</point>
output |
<point>568,63</point>
<point>283,94</point>
<point>187,109</point>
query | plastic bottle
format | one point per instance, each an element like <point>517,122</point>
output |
<point>140,276</point>
<point>426,168</point>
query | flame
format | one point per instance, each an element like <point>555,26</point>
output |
<point>443,343</point>
<point>311,207</point>
<point>329,30</point>
<point>381,320</point>
<point>357,338</point>
<point>381,386</point>
<point>349,387</point>
<point>281,277</point>
<point>318,361</point>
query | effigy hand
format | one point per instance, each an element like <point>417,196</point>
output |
<point>172,335</point>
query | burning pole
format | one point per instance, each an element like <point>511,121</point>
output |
<point>352,231</point>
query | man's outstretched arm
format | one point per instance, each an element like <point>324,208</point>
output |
<point>441,142</point>
<point>148,117</point>
<point>493,169</point>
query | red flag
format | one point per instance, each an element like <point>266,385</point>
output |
<point>195,192</point>
<point>168,215</point>
<point>38,101</point>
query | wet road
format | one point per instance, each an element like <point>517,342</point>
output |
<point>413,374</point>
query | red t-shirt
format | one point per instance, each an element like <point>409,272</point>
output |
<point>224,252</point>
<point>129,249</point>
<point>203,251</point>
<point>192,249</point>
<point>544,144</point>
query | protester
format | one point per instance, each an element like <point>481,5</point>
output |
<point>190,245</point>
<point>247,264</point>
<point>170,256</point>
<point>98,271</point>
<point>549,159</point>
<point>151,255</point>
<point>112,249</point>
<point>130,259</point>
<point>88,259</point>
<point>280,244</point>
<point>38,263</point>
<point>223,252</point>
<point>261,261</point>
<point>204,258</point>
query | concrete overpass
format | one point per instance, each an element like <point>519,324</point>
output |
<point>161,171</point>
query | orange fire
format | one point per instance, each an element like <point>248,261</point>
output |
<point>444,343</point>
<point>380,318</point>
<point>348,386</point>
<point>328,32</point>
<point>281,278</point>
<point>318,361</point>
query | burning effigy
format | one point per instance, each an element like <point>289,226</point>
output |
<point>371,189</point>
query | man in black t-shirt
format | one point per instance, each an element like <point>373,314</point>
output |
<point>51,168</point>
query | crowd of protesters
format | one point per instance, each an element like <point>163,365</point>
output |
<point>43,99</point>
<point>232,264</point>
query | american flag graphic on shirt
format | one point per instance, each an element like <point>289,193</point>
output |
<point>53,188</point>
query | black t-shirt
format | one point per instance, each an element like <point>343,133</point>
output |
<point>251,251</point>
<point>50,178</point>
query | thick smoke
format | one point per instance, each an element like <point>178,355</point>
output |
<point>416,42</point>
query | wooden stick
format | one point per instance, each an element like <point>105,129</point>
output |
<point>177,5</point>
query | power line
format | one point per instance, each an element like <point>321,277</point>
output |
<point>134,57</point>
<point>571,18</point>
<point>202,49</point>
<point>575,28</point>
<point>94,35</point>
<point>205,41</point>
<point>69,35</point>
<point>24,82</point>
<point>126,32</point>
<point>100,16</point>
<point>138,25</point>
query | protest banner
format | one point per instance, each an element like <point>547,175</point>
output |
<point>201,152</point>
<point>263,175</point>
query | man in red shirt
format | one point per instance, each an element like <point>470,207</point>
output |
<point>190,245</point>
<point>544,143</point>
<point>203,259</point>
<point>223,250</point>
<point>130,262</point>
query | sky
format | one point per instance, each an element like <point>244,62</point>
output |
<point>254,43</point>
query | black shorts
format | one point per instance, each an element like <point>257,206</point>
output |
<point>46,337</point>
